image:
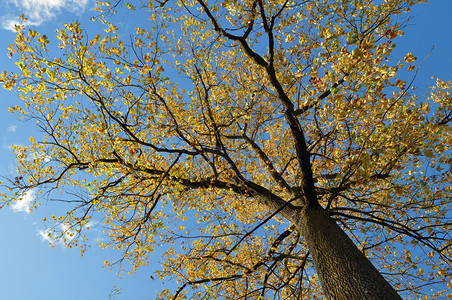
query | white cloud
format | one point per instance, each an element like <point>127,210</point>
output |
<point>90,224</point>
<point>44,157</point>
<point>68,232</point>
<point>62,233</point>
<point>9,23</point>
<point>46,235</point>
<point>24,202</point>
<point>40,11</point>
<point>12,128</point>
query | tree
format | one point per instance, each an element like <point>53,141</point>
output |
<point>270,146</point>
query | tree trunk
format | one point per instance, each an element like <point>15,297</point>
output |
<point>344,271</point>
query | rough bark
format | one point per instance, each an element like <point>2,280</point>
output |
<point>344,271</point>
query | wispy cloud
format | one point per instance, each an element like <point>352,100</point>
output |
<point>39,11</point>
<point>46,235</point>
<point>12,128</point>
<point>62,233</point>
<point>24,202</point>
<point>42,156</point>
<point>68,232</point>
<point>53,237</point>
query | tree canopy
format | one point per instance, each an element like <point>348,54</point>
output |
<point>236,135</point>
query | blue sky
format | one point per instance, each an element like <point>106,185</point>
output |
<point>29,268</point>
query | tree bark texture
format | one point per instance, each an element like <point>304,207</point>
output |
<point>344,271</point>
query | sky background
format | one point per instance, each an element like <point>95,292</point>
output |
<point>29,268</point>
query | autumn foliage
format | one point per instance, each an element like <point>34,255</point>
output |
<point>218,127</point>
